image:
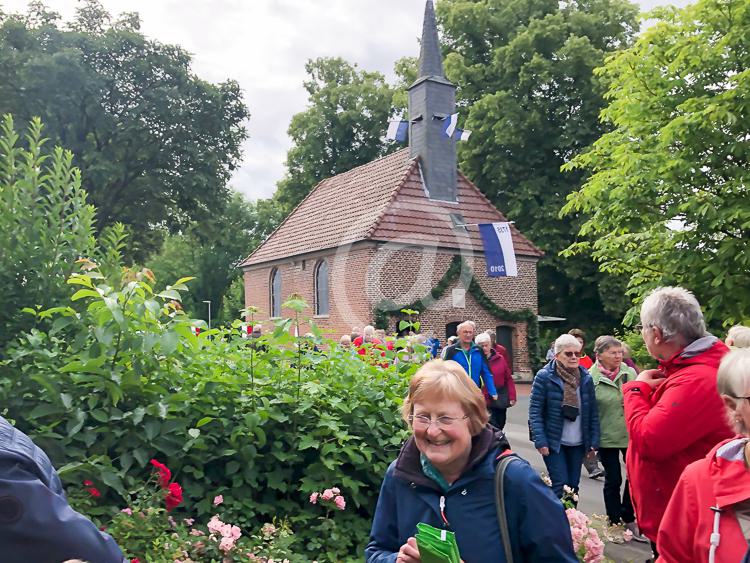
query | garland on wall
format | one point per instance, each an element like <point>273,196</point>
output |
<point>387,308</point>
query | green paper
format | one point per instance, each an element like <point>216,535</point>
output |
<point>433,548</point>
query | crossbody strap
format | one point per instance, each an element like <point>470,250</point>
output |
<point>502,516</point>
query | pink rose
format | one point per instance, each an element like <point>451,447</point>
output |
<point>336,491</point>
<point>327,494</point>
<point>314,498</point>
<point>129,511</point>
<point>196,532</point>
<point>218,499</point>
<point>339,502</point>
<point>215,525</point>
<point>226,544</point>
<point>189,521</point>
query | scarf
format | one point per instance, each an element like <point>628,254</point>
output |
<point>609,373</point>
<point>571,381</point>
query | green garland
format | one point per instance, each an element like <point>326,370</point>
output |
<point>386,308</point>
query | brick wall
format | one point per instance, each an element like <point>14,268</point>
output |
<point>362,276</point>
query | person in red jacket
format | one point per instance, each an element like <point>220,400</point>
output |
<point>708,517</point>
<point>502,378</point>
<point>674,413</point>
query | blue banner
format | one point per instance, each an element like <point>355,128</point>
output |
<point>498,249</point>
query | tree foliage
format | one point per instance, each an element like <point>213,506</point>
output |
<point>668,197</point>
<point>525,74</point>
<point>342,128</point>
<point>45,224</point>
<point>211,250</point>
<point>155,143</point>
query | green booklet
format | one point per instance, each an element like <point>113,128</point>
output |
<point>436,546</point>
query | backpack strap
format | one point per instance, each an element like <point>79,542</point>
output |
<point>506,458</point>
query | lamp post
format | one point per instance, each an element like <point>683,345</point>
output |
<point>209,313</point>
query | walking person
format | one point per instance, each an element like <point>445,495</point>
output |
<point>609,373</point>
<point>563,415</point>
<point>674,414</point>
<point>468,356</point>
<point>708,516</point>
<point>503,379</point>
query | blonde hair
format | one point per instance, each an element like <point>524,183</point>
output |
<point>739,336</point>
<point>447,380</point>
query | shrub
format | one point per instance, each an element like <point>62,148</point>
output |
<point>120,378</point>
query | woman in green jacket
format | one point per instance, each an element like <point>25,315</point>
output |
<point>610,373</point>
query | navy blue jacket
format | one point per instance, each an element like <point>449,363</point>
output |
<point>539,529</point>
<point>476,366</point>
<point>36,522</point>
<point>545,409</point>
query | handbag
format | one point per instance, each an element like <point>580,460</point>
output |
<point>502,517</point>
<point>502,401</point>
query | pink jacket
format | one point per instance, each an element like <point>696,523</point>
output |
<point>500,375</point>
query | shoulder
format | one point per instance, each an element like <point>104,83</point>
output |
<point>545,373</point>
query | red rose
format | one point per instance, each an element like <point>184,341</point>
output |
<point>135,560</point>
<point>174,496</point>
<point>88,483</point>
<point>94,492</point>
<point>165,475</point>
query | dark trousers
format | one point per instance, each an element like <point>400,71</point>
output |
<point>498,417</point>
<point>564,468</point>
<point>619,508</point>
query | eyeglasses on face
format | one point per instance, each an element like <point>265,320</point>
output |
<point>422,421</point>
<point>569,354</point>
<point>739,398</point>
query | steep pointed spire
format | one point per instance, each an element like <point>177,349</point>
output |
<point>430,58</point>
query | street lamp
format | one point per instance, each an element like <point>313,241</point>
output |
<point>209,313</point>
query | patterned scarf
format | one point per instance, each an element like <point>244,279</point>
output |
<point>571,380</point>
<point>609,373</point>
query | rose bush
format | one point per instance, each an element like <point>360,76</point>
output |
<point>117,377</point>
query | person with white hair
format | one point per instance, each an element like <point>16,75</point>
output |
<point>563,415</point>
<point>708,516</point>
<point>465,353</point>
<point>738,337</point>
<point>674,414</point>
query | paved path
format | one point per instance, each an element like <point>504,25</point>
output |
<point>590,494</point>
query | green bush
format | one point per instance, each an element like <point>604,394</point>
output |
<point>120,378</point>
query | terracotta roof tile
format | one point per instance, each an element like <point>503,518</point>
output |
<point>382,200</point>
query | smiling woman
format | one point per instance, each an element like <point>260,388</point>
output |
<point>444,477</point>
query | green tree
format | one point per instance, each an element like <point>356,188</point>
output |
<point>343,127</point>
<point>45,225</point>
<point>668,197</point>
<point>155,143</point>
<point>525,74</point>
<point>211,250</point>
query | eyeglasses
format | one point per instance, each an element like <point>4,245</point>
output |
<point>570,354</point>
<point>421,421</point>
<point>739,398</point>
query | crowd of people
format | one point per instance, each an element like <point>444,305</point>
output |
<point>682,429</point>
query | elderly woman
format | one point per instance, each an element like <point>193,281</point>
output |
<point>501,376</point>
<point>609,373</point>
<point>708,516</point>
<point>563,416</point>
<point>444,477</point>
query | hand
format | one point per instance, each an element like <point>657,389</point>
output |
<point>494,397</point>
<point>543,451</point>
<point>409,552</point>
<point>653,377</point>
<point>591,453</point>
<point>512,402</point>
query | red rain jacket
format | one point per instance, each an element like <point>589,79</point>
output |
<point>671,426</point>
<point>501,376</point>
<point>720,479</point>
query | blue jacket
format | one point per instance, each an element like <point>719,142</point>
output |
<point>36,522</point>
<point>538,526</point>
<point>545,409</point>
<point>476,365</point>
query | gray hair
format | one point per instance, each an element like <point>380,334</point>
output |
<point>676,312</point>
<point>566,341</point>
<point>604,343</point>
<point>369,330</point>
<point>739,336</point>
<point>733,377</point>
<point>465,324</point>
<point>482,338</point>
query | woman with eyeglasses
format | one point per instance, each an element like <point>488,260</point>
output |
<point>444,477</point>
<point>563,415</point>
<point>708,516</point>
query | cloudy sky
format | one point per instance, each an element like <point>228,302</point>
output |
<point>264,44</point>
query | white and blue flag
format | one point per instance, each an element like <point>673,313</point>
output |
<point>449,125</point>
<point>462,134</point>
<point>498,249</point>
<point>398,130</point>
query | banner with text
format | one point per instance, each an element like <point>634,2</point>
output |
<point>498,249</point>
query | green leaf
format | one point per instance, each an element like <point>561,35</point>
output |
<point>81,293</point>
<point>203,421</point>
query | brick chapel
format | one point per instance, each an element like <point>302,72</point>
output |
<point>399,231</point>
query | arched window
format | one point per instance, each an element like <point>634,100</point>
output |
<point>275,293</point>
<point>321,288</point>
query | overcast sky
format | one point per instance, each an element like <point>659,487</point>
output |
<point>264,44</point>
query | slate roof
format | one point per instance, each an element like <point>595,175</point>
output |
<point>383,200</point>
